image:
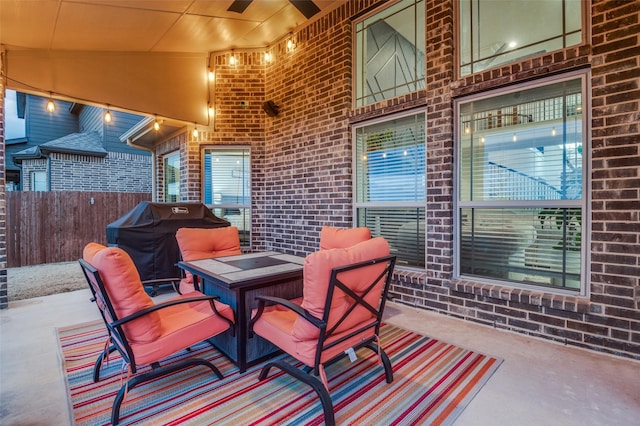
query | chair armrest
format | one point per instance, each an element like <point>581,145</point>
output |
<point>163,305</point>
<point>317,322</point>
<point>161,281</point>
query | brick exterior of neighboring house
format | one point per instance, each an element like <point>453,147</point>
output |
<point>302,163</point>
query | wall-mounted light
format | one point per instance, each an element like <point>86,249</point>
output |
<point>195,130</point>
<point>291,44</point>
<point>50,105</point>
<point>107,115</point>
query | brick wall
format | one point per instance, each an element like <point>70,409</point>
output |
<point>4,297</point>
<point>301,164</point>
<point>117,172</point>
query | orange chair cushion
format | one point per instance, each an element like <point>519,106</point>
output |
<point>317,275</point>
<point>90,250</point>
<point>125,290</point>
<point>331,237</point>
<point>205,243</point>
<point>182,326</point>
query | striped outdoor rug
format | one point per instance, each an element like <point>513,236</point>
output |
<point>433,382</point>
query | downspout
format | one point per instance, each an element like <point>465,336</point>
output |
<point>153,166</point>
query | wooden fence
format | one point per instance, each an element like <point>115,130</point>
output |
<point>50,227</point>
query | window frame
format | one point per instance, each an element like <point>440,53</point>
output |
<point>419,204</point>
<point>585,37</point>
<point>33,181</point>
<point>249,207</point>
<point>584,203</point>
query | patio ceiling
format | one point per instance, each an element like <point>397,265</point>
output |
<point>147,56</point>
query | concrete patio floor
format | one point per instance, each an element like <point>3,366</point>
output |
<point>539,382</point>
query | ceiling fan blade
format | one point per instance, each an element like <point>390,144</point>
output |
<point>306,7</point>
<point>239,6</point>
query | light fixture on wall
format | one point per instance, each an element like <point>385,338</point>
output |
<point>51,107</point>
<point>107,115</point>
<point>291,44</point>
<point>195,130</point>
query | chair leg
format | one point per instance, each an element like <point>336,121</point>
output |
<point>155,373</point>
<point>98,365</point>
<point>318,387</point>
<point>388,370</point>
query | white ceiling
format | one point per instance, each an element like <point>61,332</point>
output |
<point>190,26</point>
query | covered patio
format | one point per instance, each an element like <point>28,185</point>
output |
<point>570,340</point>
<point>539,382</point>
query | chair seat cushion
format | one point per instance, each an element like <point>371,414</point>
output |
<point>276,325</point>
<point>182,326</point>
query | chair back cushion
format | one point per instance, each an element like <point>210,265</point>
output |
<point>331,237</point>
<point>126,293</point>
<point>90,250</point>
<point>317,276</point>
<point>203,243</point>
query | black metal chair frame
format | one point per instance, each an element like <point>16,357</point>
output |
<point>118,339</point>
<point>309,374</point>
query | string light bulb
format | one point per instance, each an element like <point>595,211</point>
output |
<point>232,59</point>
<point>267,57</point>
<point>51,107</point>
<point>553,131</point>
<point>156,124</point>
<point>195,130</point>
<point>515,138</point>
<point>107,116</point>
<point>211,75</point>
<point>211,111</point>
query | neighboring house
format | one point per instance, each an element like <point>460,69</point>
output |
<point>74,149</point>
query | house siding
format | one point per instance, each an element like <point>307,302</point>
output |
<point>302,173</point>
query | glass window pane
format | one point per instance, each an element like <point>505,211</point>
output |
<point>389,55</point>
<point>523,148</point>
<point>495,32</point>
<point>540,246</point>
<point>403,228</point>
<point>391,161</point>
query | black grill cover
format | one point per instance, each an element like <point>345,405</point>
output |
<point>148,234</point>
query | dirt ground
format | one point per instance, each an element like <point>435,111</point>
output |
<point>41,280</point>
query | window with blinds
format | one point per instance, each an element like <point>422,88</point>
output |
<point>390,184</point>
<point>227,187</point>
<point>521,185</point>
<point>172,178</point>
